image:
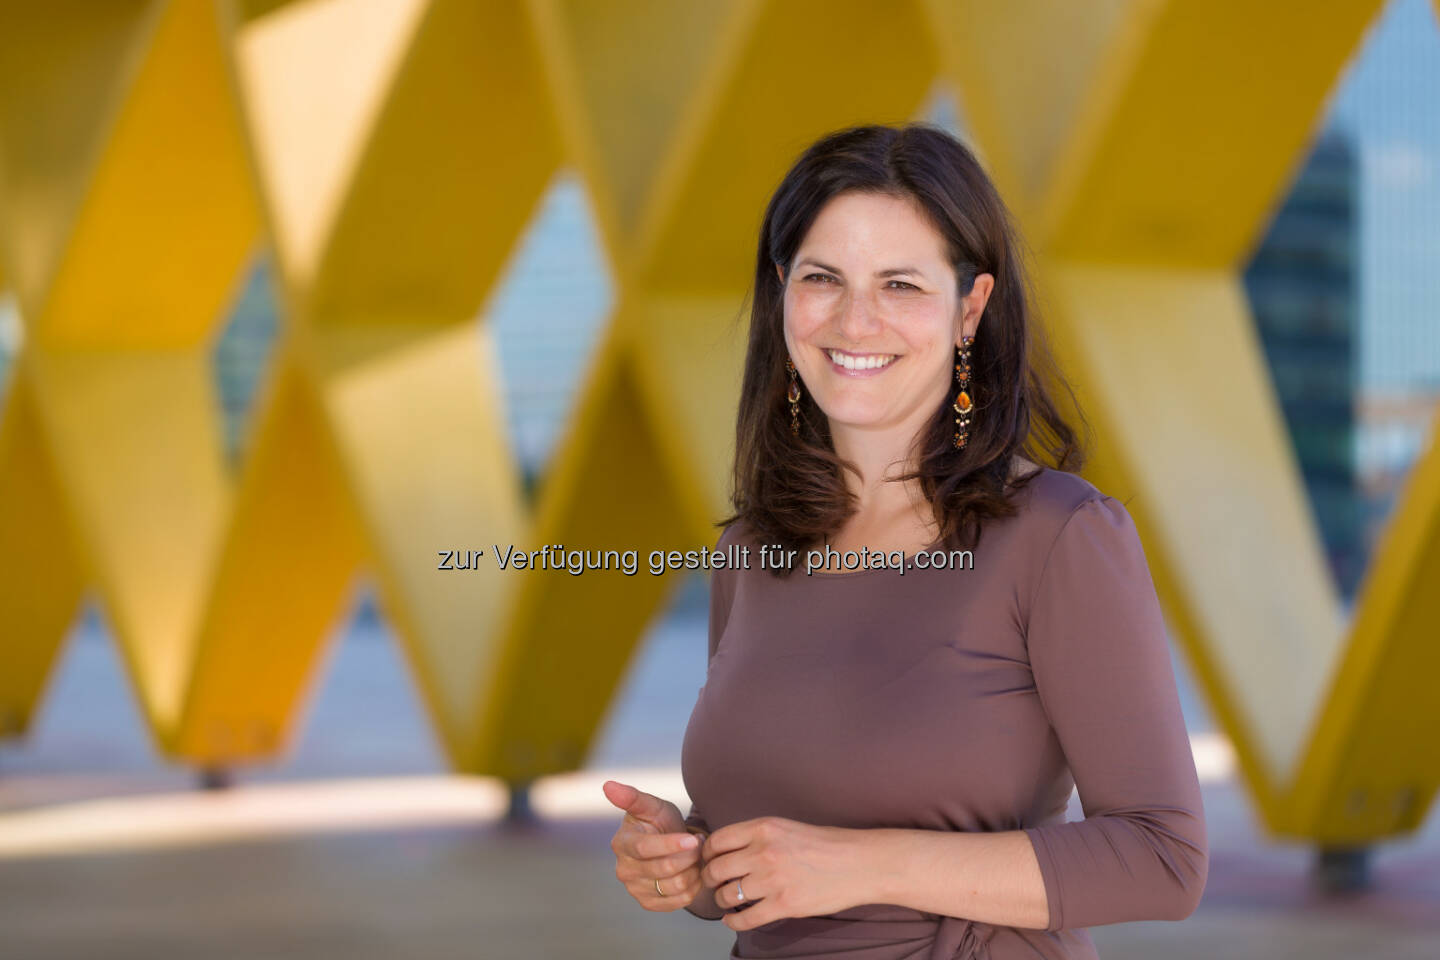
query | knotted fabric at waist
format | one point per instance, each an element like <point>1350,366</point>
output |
<point>868,932</point>
<point>959,939</point>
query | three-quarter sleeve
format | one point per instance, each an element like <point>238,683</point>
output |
<point>722,592</point>
<point>1101,663</point>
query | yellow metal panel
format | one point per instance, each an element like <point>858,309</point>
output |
<point>290,552</point>
<point>423,441</point>
<point>1373,767</point>
<point>604,57</point>
<point>138,452</point>
<point>1114,126</point>
<point>1153,173</point>
<point>314,77</point>
<point>775,96</point>
<point>436,204</point>
<point>1185,407</point>
<point>247,10</point>
<point>1025,67</point>
<point>571,637</point>
<point>421,227</point>
<point>65,68</point>
<point>154,228</point>
<point>169,199</point>
<point>41,577</point>
<point>688,372</point>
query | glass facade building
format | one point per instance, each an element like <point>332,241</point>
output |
<point>1301,282</point>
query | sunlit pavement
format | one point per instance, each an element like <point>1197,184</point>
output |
<point>358,844</point>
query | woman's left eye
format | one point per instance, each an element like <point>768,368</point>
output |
<point>902,283</point>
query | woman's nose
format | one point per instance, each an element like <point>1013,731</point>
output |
<point>859,316</point>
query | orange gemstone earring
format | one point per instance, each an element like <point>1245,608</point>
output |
<point>963,404</point>
<point>793,395</point>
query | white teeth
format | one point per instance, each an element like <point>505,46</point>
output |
<point>868,362</point>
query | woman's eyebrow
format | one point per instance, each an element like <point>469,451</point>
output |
<point>879,273</point>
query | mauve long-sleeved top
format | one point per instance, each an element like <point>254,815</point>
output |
<point>961,699</point>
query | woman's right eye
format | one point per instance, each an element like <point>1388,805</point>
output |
<point>820,276</point>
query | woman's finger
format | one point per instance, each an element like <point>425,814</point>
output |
<point>656,867</point>
<point>644,846</point>
<point>660,844</point>
<point>717,871</point>
<point>748,919</point>
<point>644,890</point>
<point>728,893</point>
<point>669,866</point>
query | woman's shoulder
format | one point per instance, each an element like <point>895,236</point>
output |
<point>1052,496</point>
<point>734,534</point>
<point>1090,523</point>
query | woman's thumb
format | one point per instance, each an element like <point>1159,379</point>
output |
<point>639,805</point>
<point>620,794</point>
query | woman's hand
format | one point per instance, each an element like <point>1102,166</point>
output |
<point>785,868</point>
<point>652,845</point>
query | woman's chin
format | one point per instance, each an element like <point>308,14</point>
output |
<point>858,417</point>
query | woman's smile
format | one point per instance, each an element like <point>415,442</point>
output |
<point>860,364</point>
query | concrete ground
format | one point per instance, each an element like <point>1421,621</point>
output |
<point>359,845</point>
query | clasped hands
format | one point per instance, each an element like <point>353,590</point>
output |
<point>784,867</point>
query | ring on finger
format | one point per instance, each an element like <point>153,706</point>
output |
<point>657,888</point>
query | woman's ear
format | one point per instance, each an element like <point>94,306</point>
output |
<point>780,273</point>
<point>972,305</point>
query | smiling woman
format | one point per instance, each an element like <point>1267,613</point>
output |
<point>880,758</point>
<point>879,255</point>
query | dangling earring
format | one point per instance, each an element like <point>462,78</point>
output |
<point>793,395</point>
<point>963,404</point>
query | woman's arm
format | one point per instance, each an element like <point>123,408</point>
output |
<point>1096,642</point>
<point>1095,637</point>
<point>990,877</point>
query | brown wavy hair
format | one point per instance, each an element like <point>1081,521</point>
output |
<point>789,490</point>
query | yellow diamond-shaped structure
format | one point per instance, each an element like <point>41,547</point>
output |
<point>389,153</point>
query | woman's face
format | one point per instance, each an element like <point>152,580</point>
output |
<point>872,313</point>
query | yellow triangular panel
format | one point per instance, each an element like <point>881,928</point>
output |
<point>43,577</point>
